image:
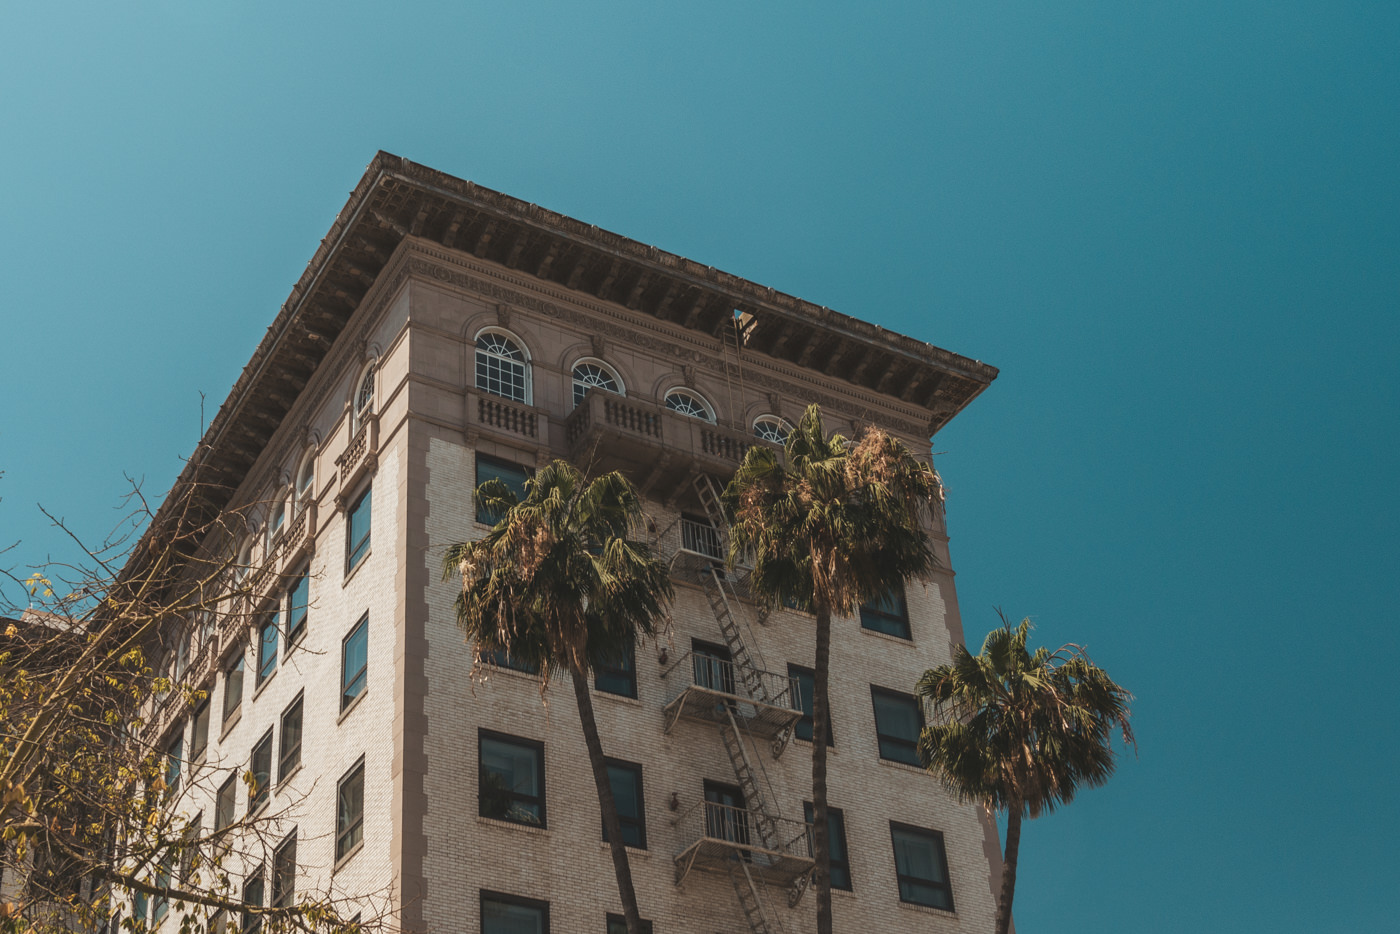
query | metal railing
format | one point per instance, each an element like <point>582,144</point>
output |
<point>701,538</point>
<point>721,676</point>
<point>735,827</point>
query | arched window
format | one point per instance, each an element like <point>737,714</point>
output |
<point>591,374</point>
<point>364,400</point>
<point>306,482</point>
<point>771,428</point>
<point>276,518</point>
<point>502,368</point>
<point>688,403</point>
<point>243,564</point>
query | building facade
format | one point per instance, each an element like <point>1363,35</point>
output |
<point>445,334</point>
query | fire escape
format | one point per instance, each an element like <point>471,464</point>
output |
<point>753,844</point>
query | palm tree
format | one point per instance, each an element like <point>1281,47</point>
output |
<point>1020,732</point>
<point>558,584</point>
<point>831,525</point>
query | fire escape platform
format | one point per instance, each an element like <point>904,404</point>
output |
<point>707,705</point>
<point>769,867</point>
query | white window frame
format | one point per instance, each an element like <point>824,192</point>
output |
<point>607,368</point>
<point>525,362</point>
<point>709,415</point>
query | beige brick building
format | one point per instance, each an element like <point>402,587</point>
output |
<point>444,333</point>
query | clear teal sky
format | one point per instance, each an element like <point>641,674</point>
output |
<point>1173,224</point>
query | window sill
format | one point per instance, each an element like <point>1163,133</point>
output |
<point>350,708</point>
<point>283,779</point>
<point>898,640</point>
<point>619,698</point>
<point>927,909</point>
<point>340,863</point>
<point>265,682</point>
<point>227,726</point>
<point>364,559</point>
<point>254,812</point>
<point>491,671</point>
<point>512,825</point>
<point>631,850</point>
<point>905,767</point>
<point>831,749</point>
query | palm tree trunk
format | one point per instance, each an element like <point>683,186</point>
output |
<point>607,803</point>
<point>821,716</point>
<point>1008,867</point>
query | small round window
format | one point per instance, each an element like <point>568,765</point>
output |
<point>688,403</point>
<point>771,428</point>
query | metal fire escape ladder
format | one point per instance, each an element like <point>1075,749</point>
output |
<point>754,798</point>
<point>751,899</point>
<point>708,493</point>
<point>723,608</point>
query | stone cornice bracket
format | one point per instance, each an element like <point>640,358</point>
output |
<point>688,375</point>
<point>775,404</point>
<point>600,346</point>
<point>503,315</point>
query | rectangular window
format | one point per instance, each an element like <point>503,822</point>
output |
<point>267,646</point>
<point>172,759</point>
<point>139,906</point>
<point>618,676</point>
<point>511,777</point>
<point>512,475</point>
<point>806,694</point>
<point>626,781</point>
<point>354,662</point>
<point>922,866</point>
<point>712,666</point>
<point>726,814</point>
<point>298,604</point>
<point>889,614</point>
<point>617,924</point>
<point>506,660</point>
<point>290,756</point>
<point>836,844</point>
<point>159,903</point>
<point>261,768</point>
<point>233,691</point>
<point>253,895</point>
<point>350,811</point>
<point>284,872</point>
<point>188,847</point>
<point>898,723</point>
<point>357,530</point>
<point>226,803</point>
<point>199,738</point>
<point>510,914</point>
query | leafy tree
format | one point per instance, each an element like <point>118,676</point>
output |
<point>559,584</point>
<point>1020,731</point>
<point>832,524</point>
<point>92,811</point>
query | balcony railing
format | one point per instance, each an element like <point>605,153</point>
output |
<point>360,454</point>
<point>497,414</point>
<point>713,835</point>
<point>706,688</point>
<point>701,538</point>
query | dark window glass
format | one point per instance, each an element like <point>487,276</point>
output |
<point>262,772</point>
<point>357,530</point>
<point>299,598</point>
<point>354,661</point>
<point>140,904</point>
<point>291,740</point>
<point>199,735</point>
<point>806,695</point>
<point>512,475</point>
<point>712,667</point>
<point>172,760</point>
<point>506,660</point>
<point>350,811</point>
<point>267,647</point>
<point>836,844</point>
<point>889,614</point>
<point>922,866</point>
<point>225,804</point>
<point>253,895</point>
<point>233,690</point>
<point>511,779</point>
<point>726,816</point>
<point>626,781</point>
<point>510,914</point>
<point>618,676</point>
<point>189,851</point>
<point>898,722</point>
<point>159,903</point>
<point>617,924</point>
<point>284,873</point>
